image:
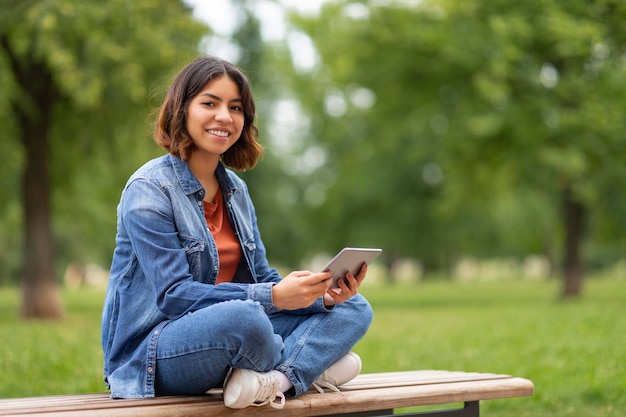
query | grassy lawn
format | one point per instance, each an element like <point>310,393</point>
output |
<point>574,351</point>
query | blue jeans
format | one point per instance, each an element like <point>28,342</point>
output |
<point>195,352</point>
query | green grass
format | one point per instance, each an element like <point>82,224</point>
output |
<point>46,357</point>
<point>573,351</point>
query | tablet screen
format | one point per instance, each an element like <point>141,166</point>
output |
<point>349,259</point>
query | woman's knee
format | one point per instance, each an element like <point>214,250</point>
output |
<point>225,325</point>
<point>357,310</point>
<point>245,318</point>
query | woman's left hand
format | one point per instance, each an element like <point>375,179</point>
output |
<point>348,288</point>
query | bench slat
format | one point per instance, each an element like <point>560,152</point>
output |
<point>366,392</point>
<point>398,379</point>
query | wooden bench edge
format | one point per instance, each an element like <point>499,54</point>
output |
<point>308,404</point>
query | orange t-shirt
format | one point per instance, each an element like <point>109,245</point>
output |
<point>228,248</point>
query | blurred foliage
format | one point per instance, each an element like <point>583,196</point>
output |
<point>111,64</point>
<point>452,128</point>
<point>433,129</point>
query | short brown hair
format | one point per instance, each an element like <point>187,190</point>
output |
<point>170,131</point>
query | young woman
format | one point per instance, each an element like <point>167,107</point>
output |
<point>192,303</point>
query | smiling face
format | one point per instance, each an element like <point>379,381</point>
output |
<point>215,118</point>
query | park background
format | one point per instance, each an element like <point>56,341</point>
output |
<point>480,144</point>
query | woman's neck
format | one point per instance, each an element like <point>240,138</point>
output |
<point>203,167</point>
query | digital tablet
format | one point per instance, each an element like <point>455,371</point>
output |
<point>349,259</point>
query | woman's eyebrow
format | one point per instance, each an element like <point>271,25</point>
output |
<point>213,96</point>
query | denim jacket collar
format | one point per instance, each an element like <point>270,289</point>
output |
<point>190,184</point>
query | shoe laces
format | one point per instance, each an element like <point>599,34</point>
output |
<point>320,384</point>
<point>269,392</point>
<point>342,371</point>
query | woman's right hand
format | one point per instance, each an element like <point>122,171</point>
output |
<point>300,289</point>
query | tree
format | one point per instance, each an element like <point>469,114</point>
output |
<point>474,103</point>
<point>76,76</point>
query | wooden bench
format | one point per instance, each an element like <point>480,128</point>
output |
<point>367,395</point>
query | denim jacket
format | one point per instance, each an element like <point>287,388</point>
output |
<point>165,265</point>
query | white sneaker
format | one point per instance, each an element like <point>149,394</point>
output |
<point>342,371</point>
<point>244,388</point>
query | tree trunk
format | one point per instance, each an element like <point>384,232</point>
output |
<point>574,215</point>
<point>40,298</point>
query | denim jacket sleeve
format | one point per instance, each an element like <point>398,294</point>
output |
<point>164,234</point>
